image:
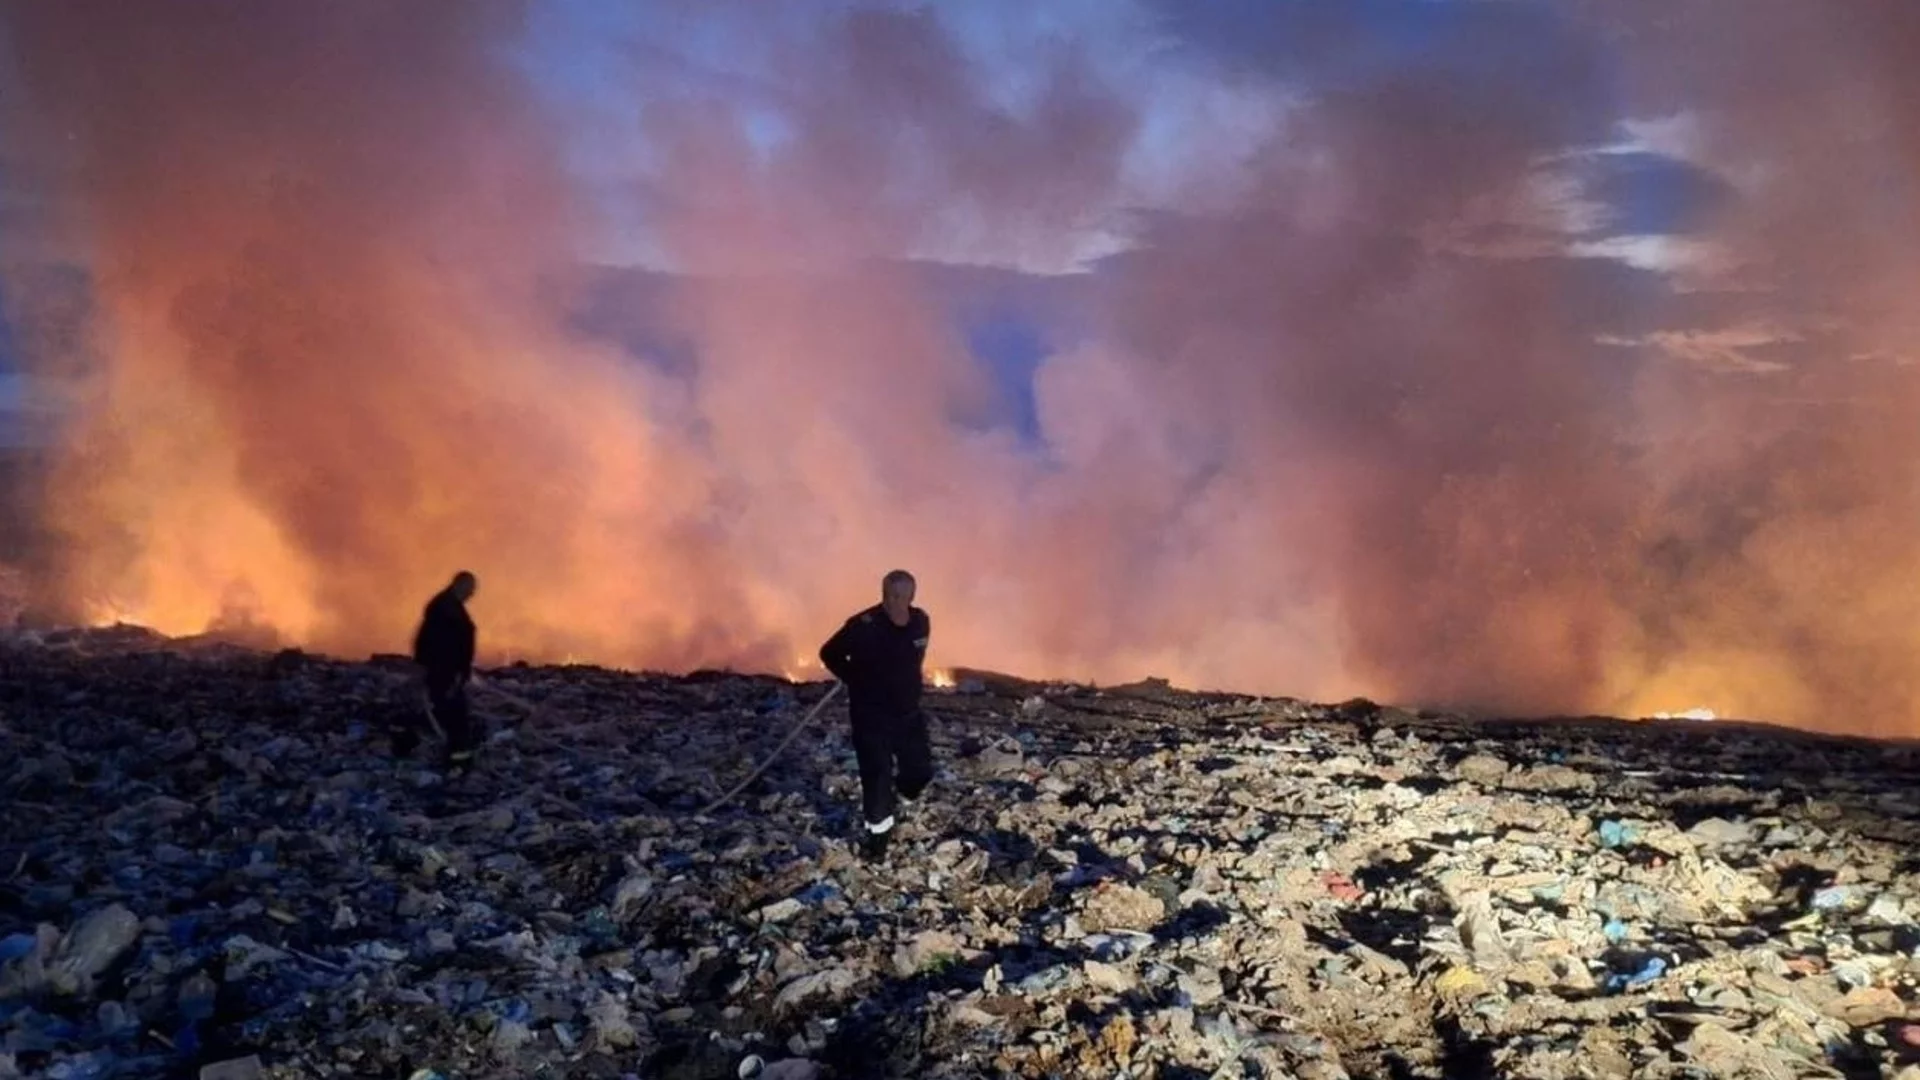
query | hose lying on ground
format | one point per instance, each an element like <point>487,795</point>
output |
<point>507,696</point>
<point>433,720</point>
<point>805,723</point>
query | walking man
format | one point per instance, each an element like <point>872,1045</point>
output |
<point>879,654</point>
<point>443,647</point>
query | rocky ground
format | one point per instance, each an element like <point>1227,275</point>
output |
<point>212,868</point>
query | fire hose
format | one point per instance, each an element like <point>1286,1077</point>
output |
<point>511,698</point>
<point>805,723</point>
<point>507,696</point>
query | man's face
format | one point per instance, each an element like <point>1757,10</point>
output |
<point>465,590</point>
<point>898,597</point>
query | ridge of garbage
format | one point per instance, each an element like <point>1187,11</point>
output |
<point>213,867</point>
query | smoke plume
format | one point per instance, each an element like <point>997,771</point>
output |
<point>1544,357</point>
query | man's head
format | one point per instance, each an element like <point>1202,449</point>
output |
<point>464,585</point>
<point>896,594</point>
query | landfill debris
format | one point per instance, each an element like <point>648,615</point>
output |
<point>246,1068</point>
<point>1617,834</point>
<point>227,875</point>
<point>1648,971</point>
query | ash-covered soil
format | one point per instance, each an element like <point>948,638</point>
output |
<point>212,862</point>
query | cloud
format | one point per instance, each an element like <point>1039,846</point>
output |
<point>1729,350</point>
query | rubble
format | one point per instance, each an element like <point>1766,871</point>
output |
<point>215,868</point>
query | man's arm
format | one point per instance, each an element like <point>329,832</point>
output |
<point>837,653</point>
<point>467,644</point>
<point>431,644</point>
<point>427,638</point>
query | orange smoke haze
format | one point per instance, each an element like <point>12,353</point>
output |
<point>1344,417</point>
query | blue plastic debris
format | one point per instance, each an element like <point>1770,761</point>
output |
<point>1649,971</point>
<point>15,946</point>
<point>1051,978</point>
<point>1615,930</point>
<point>1118,946</point>
<point>1614,834</point>
<point>597,926</point>
<point>1836,897</point>
<point>817,893</point>
<point>88,1067</point>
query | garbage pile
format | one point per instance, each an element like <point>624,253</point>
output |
<point>214,867</point>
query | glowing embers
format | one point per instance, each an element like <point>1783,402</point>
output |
<point>1690,714</point>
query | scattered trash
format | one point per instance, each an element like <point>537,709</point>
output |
<point>1341,887</point>
<point>1652,969</point>
<point>1129,881</point>
<point>1617,834</point>
<point>246,1068</point>
<point>1838,898</point>
<point>1461,982</point>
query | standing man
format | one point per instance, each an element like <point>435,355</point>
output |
<point>443,647</point>
<point>878,654</point>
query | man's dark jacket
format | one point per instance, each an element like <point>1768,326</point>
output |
<point>444,643</point>
<point>881,663</point>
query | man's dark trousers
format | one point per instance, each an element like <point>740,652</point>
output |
<point>882,738</point>
<point>447,694</point>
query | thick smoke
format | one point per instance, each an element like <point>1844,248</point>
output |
<point>1345,417</point>
<point>326,377</point>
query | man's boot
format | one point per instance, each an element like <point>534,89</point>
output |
<point>873,846</point>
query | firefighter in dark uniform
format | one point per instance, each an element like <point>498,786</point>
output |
<point>444,647</point>
<point>879,654</point>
